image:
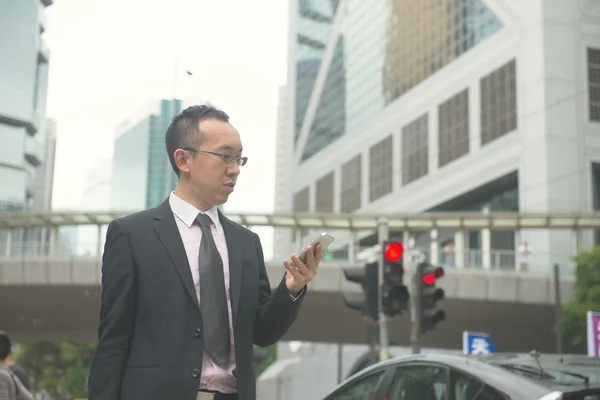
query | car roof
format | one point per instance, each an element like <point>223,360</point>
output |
<point>546,359</point>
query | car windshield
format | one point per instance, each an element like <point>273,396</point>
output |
<point>571,370</point>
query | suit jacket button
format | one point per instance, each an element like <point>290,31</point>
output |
<point>197,332</point>
<point>195,373</point>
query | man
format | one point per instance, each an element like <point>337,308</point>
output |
<point>11,387</point>
<point>185,291</point>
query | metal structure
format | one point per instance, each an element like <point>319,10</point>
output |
<point>383,234</point>
<point>412,222</point>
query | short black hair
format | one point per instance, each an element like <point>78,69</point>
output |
<point>5,345</point>
<point>184,130</point>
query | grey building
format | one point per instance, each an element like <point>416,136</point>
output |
<point>142,176</point>
<point>23,84</point>
<point>24,59</point>
<point>36,239</point>
<point>413,106</point>
<point>43,181</point>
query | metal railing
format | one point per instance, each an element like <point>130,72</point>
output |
<point>499,260</point>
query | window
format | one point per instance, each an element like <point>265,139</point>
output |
<point>380,172</point>
<point>423,382</point>
<point>351,185</point>
<point>453,128</point>
<point>301,204</point>
<point>324,196</point>
<point>363,389</point>
<point>498,103</point>
<point>466,387</point>
<point>415,150</point>
<point>594,83</point>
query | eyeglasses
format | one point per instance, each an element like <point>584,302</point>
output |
<point>227,158</point>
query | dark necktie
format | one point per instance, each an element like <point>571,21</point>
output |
<point>213,301</point>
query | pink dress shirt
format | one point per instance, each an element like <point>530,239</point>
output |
<point>214,376</point>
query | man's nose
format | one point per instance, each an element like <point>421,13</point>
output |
<point>234,169</point>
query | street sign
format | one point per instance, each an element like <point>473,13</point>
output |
<point>477,343</point>
<point>593,333</point>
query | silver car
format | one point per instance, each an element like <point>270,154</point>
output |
<point>462,377</point>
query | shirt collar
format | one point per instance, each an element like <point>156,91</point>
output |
<point>188,213</point>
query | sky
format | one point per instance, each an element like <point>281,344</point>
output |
<point>109,57</point>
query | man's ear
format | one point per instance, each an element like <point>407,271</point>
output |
<point>181,156</point>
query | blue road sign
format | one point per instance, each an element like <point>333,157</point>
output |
<point>477,343</point>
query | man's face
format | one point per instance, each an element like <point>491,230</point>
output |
<point>211,177</point>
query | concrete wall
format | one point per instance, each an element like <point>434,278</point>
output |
<point>458,284</point>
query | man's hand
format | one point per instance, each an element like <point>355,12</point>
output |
<point>299,274</point>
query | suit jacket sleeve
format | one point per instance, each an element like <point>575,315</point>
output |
<point>276,310</point>
<point>117,314</point>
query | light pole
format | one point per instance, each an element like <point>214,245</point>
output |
<point>175,88</point>
<point>171,177</point>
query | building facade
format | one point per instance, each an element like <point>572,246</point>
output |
<point>281,164</point>
<point>142,176</point>
<point>24,61</point>
<point>407,106</point>
<point>24,143</point>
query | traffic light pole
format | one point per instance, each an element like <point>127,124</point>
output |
<point>383,235</point>
<point>415,299</point>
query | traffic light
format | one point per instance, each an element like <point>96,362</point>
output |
<point>394,294</point>
<point>368,278</point>
<point>429,295</point>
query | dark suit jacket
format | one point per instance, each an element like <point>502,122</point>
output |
<point>150,332</point>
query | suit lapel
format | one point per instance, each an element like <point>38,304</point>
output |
<point>167,232</point>
<point>234,238</point>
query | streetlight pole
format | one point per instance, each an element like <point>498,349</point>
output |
<point>383,235</point>
<point>171,177</point>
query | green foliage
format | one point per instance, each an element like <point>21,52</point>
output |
<point>587,295</point>
<point>263,357</point>
<point>62,368</point>
<point>59,368</point>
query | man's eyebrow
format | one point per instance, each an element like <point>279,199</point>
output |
<point>229,148</point>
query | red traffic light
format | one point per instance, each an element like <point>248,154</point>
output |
<point>394,251</point>
<point>429,279</point>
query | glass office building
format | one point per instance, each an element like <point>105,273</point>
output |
<point>142,176</point>
<point>24,59</point>
<point>406,106</point>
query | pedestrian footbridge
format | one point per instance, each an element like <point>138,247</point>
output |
<point>58,299</point>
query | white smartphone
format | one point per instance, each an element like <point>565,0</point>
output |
<point>324,238</point>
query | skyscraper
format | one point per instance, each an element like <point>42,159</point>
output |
<point>408,106</point>
<point>142,176</point>
<point>24,59</point>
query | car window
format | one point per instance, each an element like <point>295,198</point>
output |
<point>423,382</point>
<point>362,389</point>
<point>466,387</point>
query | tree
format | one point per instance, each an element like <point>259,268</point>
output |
<point>62,368</point>
<point>59,368</point>
<point>587,295</point>
<point>263,357</point>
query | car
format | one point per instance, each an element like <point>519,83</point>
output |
<point>464,377</point>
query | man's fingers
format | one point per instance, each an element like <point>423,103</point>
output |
<point>302,268</point>
<point>292,269</point>
<point>319,253</point>
<point>313,259</point>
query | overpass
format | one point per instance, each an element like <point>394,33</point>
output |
<point>59,298</point>
<point>49,297</point>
